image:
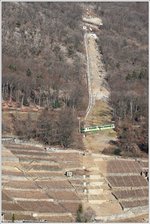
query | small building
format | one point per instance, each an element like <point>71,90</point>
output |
<point>68,173</point>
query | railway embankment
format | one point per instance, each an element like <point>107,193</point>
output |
<point>98,111</point>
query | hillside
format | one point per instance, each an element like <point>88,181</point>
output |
<point>44,67</point>
<point>75,110</point>
<point>43,62</point>
<point>123,42</point>
<point>42,53</point>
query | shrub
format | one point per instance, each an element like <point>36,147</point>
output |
<point>117,151</point>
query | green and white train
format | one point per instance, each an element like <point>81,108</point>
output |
<point>97,128</point>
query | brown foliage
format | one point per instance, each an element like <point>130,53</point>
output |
<point>124,38</point>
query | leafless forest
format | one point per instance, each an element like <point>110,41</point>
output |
<point>124,44</point>
<point>44,66</point>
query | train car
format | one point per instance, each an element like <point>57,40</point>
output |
<point>97,128</point>
<point>107,126</point>
<point>89,129</point>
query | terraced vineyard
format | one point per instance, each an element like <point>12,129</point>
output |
<point>35,185</point>
<point>127,184</point>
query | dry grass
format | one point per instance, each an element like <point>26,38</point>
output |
<point>24,115</point>
<point>7,121</point>
<point>140,219</point>
<point>57,219</point>
<point>100,114</point>
<point>96,142</point>
<point>18,216</point>
<point>107,208</point>
<point>20,115</point>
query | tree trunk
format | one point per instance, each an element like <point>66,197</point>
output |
<point>22,100</point>
<point>131,109</point>
<point>10,94</point>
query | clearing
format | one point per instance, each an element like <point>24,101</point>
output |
<point>99,110</point>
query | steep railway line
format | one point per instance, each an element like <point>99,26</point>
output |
<point>95,68</point>
<point>98,90</point>
<point>90,104</point>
